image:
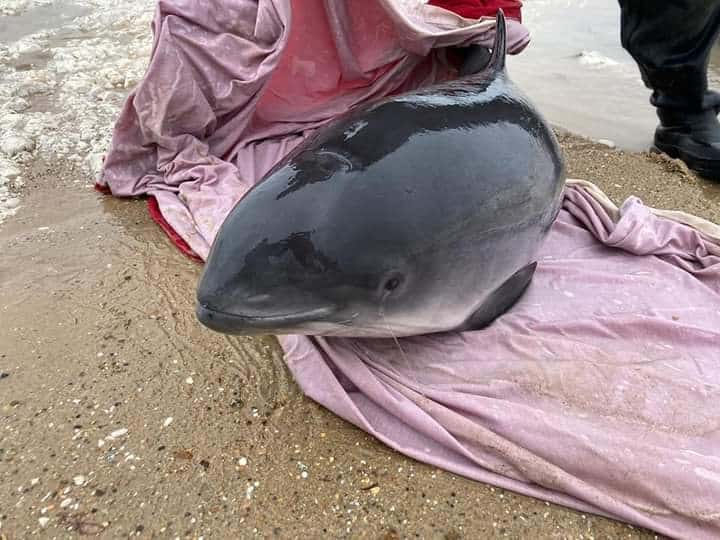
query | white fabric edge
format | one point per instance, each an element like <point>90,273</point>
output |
<point>705,227</point>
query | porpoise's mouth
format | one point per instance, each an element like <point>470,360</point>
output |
<point>232,323</point>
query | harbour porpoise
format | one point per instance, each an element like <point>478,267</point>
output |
<point>413,214</point>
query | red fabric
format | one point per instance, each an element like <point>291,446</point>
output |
<point>158,218</point>
<point>474,9</point>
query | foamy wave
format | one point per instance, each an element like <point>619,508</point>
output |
<point>16,7</point>
<point>595,59</point>
<point>64,106</point>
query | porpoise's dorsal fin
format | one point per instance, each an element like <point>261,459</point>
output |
<point>499,51</point>
<point>477,57</point>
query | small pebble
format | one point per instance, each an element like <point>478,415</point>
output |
<point>242,461</point>
<point>44,521</point>
<point>189,380</point>
<point>79,480</point>
<point>168,421</point>
<point>118,433</point>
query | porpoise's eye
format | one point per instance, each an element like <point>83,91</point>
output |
<point>392,284</point>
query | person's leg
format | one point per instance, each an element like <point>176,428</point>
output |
<point>671,41</point>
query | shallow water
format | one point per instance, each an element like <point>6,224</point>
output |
<point>15,27</point>
<point>579,75</point>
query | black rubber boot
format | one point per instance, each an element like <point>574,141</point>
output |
<point>671,42</point>
<point>693,137</point>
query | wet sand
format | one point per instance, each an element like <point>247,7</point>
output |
<point>121,416</point>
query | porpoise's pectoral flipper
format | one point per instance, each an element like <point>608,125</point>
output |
<point>501,299</point>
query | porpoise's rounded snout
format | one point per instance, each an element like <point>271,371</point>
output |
<point>246,324</point>
<point>216,320</point>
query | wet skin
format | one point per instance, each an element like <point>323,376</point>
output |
<point>415,214</point>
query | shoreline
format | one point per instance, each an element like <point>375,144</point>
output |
<point>63,87</point>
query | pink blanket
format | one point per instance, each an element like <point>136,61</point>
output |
<point>600,390</point>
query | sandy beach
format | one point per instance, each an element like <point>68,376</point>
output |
<point>120,416</point>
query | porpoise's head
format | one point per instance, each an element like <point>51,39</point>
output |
<point>301,254</point>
